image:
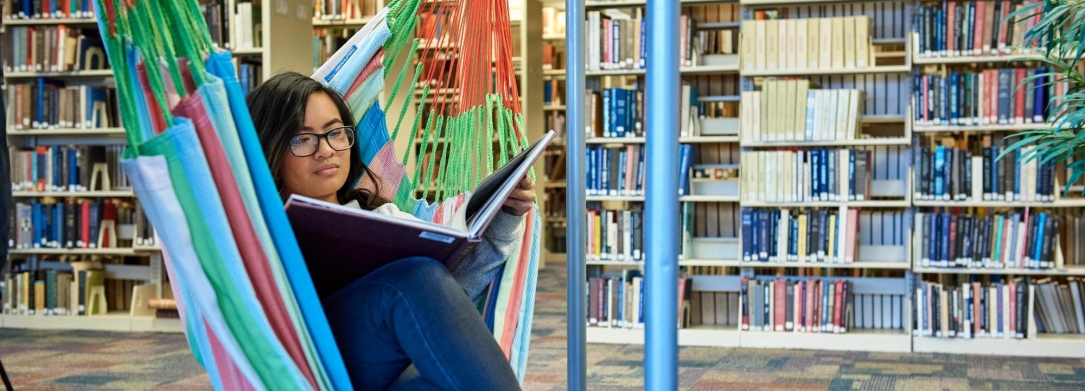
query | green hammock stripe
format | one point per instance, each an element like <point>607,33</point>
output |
<point>397,86</point>
<point>424,150</point>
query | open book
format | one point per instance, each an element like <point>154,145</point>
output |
<point>341,244</point>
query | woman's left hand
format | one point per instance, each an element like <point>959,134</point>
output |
<point>521,199</point>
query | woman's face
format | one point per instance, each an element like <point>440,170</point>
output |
<point>323,173</point>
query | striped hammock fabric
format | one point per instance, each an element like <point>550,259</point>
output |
<point>249,309</point>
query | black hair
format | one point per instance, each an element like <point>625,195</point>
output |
<point>278,110</point>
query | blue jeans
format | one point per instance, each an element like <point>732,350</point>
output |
<point>410,326</point>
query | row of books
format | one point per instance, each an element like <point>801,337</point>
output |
<point>813,43</point>
<point>234,24</point>
<point>344,9</point>
<point>984,97</point>
<point>249,74</point>
<point>555,120</point>
<point>615,235</point>
<point>823,174</point>
<point>708,308</point>
<point>52,49</point>
<point>809,236</point>
<point>553,21</point>
<point>48,103</point>
<point>616,300</point>
<point>554,92</point>
<point>976,309</point>
<point>79,223</point>
<point>67,168</point>
<point>816,305</point>
<point>617,40</point>
<point>616,112</point>
<point>553,57</point>
<point>615,171</point>
<point>955,174</point>
<point>791,110</point>
<point>36,9</point>
<point>994,241</point>
<point>971,28</point>
<point>86,290</point>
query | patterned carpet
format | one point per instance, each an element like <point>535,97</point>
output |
<point>54,360</point>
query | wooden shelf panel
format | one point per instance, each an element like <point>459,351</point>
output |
<point>74,194</point>
<point>860,340</point>
<point>978,128</point>
<point>1045,345</point>
<point>47,22</point>
<point>708,139</point>
<point>681,262</point>
<point>830,204</point>
<point>73,74</point>
<point>708,198</point>
<point>852,265</point>
<point>66,132</point>
<point>818,72</point>
<point>828,143</point>
<point>1069,271</point>
<point>74,251</point>
<point>1003,58</point>
<point>1064,203</point>
<point>109,322</point>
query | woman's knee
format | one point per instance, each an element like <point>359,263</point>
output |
<point>416,273</point>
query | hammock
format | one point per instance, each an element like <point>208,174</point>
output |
<point>249,309</point>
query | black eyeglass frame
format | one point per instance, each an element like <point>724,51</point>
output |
<point>324,136</point>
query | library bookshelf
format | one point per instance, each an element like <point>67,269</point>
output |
<point>140,264</point>
<point>893,128</point>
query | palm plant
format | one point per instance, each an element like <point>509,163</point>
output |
<point>1059,37</point>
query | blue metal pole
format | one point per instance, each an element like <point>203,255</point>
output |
<point>661,209</point>
<point>576,234</point>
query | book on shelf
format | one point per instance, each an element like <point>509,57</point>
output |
<point>553,57</point>
<point>794,110</point>
<point>448,239</point>
<point>815,305</point>
<point>553,92</point>
<point>72,289</point>
<point>615,235</point>
<point>842,42</point>
<point>616,300</point>
<point>553,21</point>
<point>823,174</point>
<point>75,223</point>
<point>616,171</point>
<point>714,308</point>
<point>1005,240</point>
<point>67,168</point>
<point>31,9</point>
<point>971,28</point>
<point>970,308</point>
<point>616,112</point>
<point>343,10</point>
<point>991,96</point>
<point>971,171</point>
<point>57,48</point>
<point>820,236</point>
<point>49,104</point>
<point>617,38</point>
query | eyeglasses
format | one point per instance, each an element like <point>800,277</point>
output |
<point>306,144</point>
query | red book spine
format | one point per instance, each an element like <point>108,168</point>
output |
<point>745,304</point>
<point>1013,309</point>
<point>1019,97</point>
<point>85,224</point>
<point>779,302</point>
<point>1004,27</point>
<point>951,16</point>
<point>992,92</point>
<point>838,307</point>
<point>809,308</point>
<point>978,30</point>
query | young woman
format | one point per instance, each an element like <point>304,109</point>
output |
<point>412,324</point>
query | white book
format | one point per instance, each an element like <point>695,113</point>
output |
<point>787,39</point>
<point>842,106</point>
<point>825,47</point>
<point>783,229</point>
<point>800,32</point>
<point>760,26</point>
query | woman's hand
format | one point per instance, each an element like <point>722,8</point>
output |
<point>521,199</point>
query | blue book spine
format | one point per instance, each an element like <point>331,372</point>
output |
<point>1017,173</point>
<point>643,40</point>
<point>605,174</point>
<point>939,167</point>
<point>831,184</point>
<point>622,186</point>
<point>37,224</point>
<point>932,228</point>
<point>73,171</point>
<point>41,102</point>
<point>620,112</point>
<point>851,175</point>
<point>685,161</point>
<point>943,98</point>
<point>1038,97</point>
<point>755,231</point>
<point>747,234</point>
<point>1005,79</point>
<point>1038,242</point>
<point>815,173</point>
<point>824,167</point>
<point>953,91</point>
<point>608,120</point>
<point>919,96</point>
<point>793,245</point>
<point>823,225</point>
<point>944,239</point>
<point>824,306</point>
<point>58,225</point>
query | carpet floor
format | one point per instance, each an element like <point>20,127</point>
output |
<point>83,360</point>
